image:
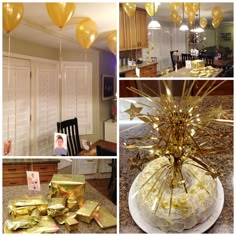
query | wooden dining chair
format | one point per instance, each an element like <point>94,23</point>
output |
<point>70,128</point>
<point>101,151</point>
<point>209,60</point>
<point>112,183</point>
<point>172,58</point>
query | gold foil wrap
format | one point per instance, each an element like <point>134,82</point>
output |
<point>198,64</point>
<point>56,206</point>
<point>71,187</point>
<point>71,224</point>
<point>104,219</point>
<point>87,211</point>
<point>45,225</point>
<point>25,206</point>
<point>21,222</point>
<point>30,201</point>
<point>61,219</point>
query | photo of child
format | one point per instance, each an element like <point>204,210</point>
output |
<point>60,144</point>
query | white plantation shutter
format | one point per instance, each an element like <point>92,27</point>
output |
<point>47,101</point>
<point>17,106</point>
<point>77,94</point>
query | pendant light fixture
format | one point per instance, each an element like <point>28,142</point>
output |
<point>154,24</point>
<point>184,26</point>
<point>198,28</point>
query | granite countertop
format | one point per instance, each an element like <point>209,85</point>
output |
<point>124,69</point>
<point>90,194</point>
<point>9,161</point>
<point>224,223</point>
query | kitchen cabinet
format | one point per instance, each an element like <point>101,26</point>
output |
<point>110,131</point>
<point>133,30</point>
<point>224,89</point>
<point>14,174</point>
<point>145,71</point>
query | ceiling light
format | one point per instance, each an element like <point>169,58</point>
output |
<point>154,24</point>
<point>183,27</point>
<point>197,30</point>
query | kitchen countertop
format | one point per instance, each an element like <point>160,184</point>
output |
<point>224,223</point>
<point>90,194</point>
<point>124,69</point>
<point>9,161</point>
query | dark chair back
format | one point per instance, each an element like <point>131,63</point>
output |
<point>172,58</point>
<point>101,151</point>
<point>186,56</point>
<point>70,127</point>
<point>209,60</point>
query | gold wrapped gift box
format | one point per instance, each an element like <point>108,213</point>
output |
<point>71,224</point>
<point>71,187</point>
<point>198,64</point>
<point>25,205</point>
<point>87,211</point>
<point>104,219</point>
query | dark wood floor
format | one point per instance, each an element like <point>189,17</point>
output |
<point>101,185</point>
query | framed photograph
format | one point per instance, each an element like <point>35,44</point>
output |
<point>60,144</point>
<point>225,36</point>
<point>108,87</point>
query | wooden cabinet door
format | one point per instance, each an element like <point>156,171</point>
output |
<point>141,24</point>
<point>133,30</point>
<point>122,32</point>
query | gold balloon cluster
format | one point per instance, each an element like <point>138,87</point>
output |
<point>60,13</point>
<point>217,16</point>
<point>180,131</point>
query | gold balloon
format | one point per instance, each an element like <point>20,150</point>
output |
<point>12,14</point>
<point>174,15</point>
<point>129,8</point>
<point>86,32</point>
<point>179,20</point>
<point>216,12</point>
<point>216,23</point>
<point>151,8</point>
<point>191,15</point>
<point>203,22</point>
<point>195,6</point>
<point>175,5</point>
<point>188,7</point>
<point>60,12</point>
<point>111,41</point>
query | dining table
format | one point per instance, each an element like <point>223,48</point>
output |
<point>184,72</point>
<point>222,63</point>
<point>13,192</point>
<point>104,144</point>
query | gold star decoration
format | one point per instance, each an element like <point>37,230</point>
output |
<point>133,111</point>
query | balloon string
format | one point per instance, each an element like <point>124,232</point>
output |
<point>136,35</point>
<point>86,68</point>
<point>8,84</point>
<point>60,83</point>
<point>130,37</point>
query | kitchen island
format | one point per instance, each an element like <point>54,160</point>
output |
<point>224,162</point>
<point>147,69</point>
<point>90,194</point>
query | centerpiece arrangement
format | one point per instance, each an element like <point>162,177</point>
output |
<point>177,189</point>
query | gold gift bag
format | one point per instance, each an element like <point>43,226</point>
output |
<point>71,187</point>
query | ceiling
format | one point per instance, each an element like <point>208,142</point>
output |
<point>164,10</point>
<point>36,26</point>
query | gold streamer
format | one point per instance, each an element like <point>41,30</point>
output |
<point>176,125</point>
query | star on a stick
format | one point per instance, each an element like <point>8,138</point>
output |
<point>133,110</point>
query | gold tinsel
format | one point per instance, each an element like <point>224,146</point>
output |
<point>177,125</point>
